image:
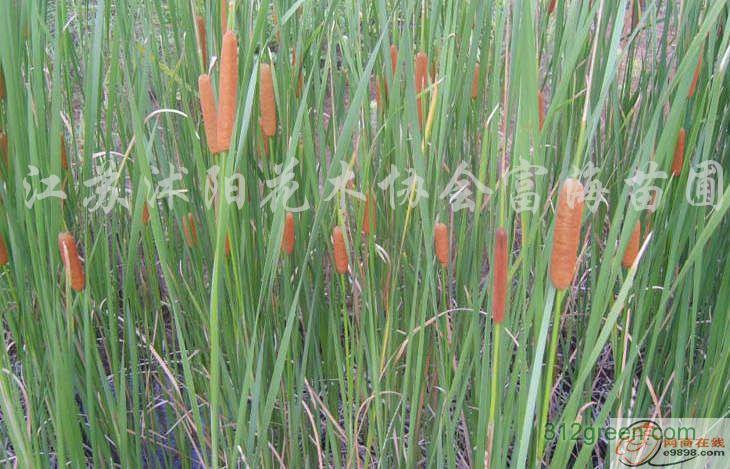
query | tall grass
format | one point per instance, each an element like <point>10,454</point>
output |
<point>176,354</point>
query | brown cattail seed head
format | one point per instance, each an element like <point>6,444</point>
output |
<point>475,82</point>
<point>228,90</point>
<point>210,115</point>
<point>71,261</point>
<point>421,82</point>
<point>393,57</point>
<point>200,26</point>
<point>540,109</point>
<point>698,69</point>
<point>551,6</point>
<point>632,248</point>
<point>441,243</point>
<point>145,214</point>
<point>267,102</point>
<point>3,251</point>
<point>64,156</point>
<point>340,250</point>
<point>224,16</point>
<point>189,230</point>
<point>566,235</point>
<point>678,161</point>
<point>501,261</point>
<point>287,242</point>
<point>368,218</point>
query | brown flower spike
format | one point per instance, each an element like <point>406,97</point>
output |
<point>340,250</point>
<point>441,243</point>
<point>632,248</point>
<point>287,242</point>
<point>566,235</point>
<point>267,102</point>
<point>71,261</point>
<point>228,90</point>
<point>210,115</point>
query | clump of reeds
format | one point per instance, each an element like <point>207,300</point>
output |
<point>566,235</point>
<point>71,261</point>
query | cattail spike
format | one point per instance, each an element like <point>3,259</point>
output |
<point>540,109</point>
<point>267,102</point>
<point>566,234</point>
<point>210,115</point>
<point>475,82</point>
<point>441,243</point>
<point>393,58</point>
<point>202,39</point>
<point>421,82</point>
<point>340,250</point>
<point>287,242</point>
<point>71,261</point>
<point>368,219</point>
<point>189,230</point>
<point>632,248</point>
<point>145,214</point>
<point>4,258</point>
<point>64,156</point>
<point>501,261</point>
<point>678,161</point>
<point>551,6</point>
<point>228,90</point>
<point>698,69</point>
<point>224,16</point>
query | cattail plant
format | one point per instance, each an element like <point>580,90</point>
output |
<point>4,258</point>
<point>189,230</point>
<point>210,114</point>
<point>698,69</point>
<point>501,260</point>
<point>267,103</point>
<point>632,248</point>
<point>203,41</point>
<point>368,218</point>
<point>421,82</point>
<point>678,161</point>
<point>441,243</point>
<point>540,109</point>
<point>228,90</point>
<point>340,250</point>
<point>71,261</point>
<point>287,241</point>
<point>566,234</point>
<point>475,82</point>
